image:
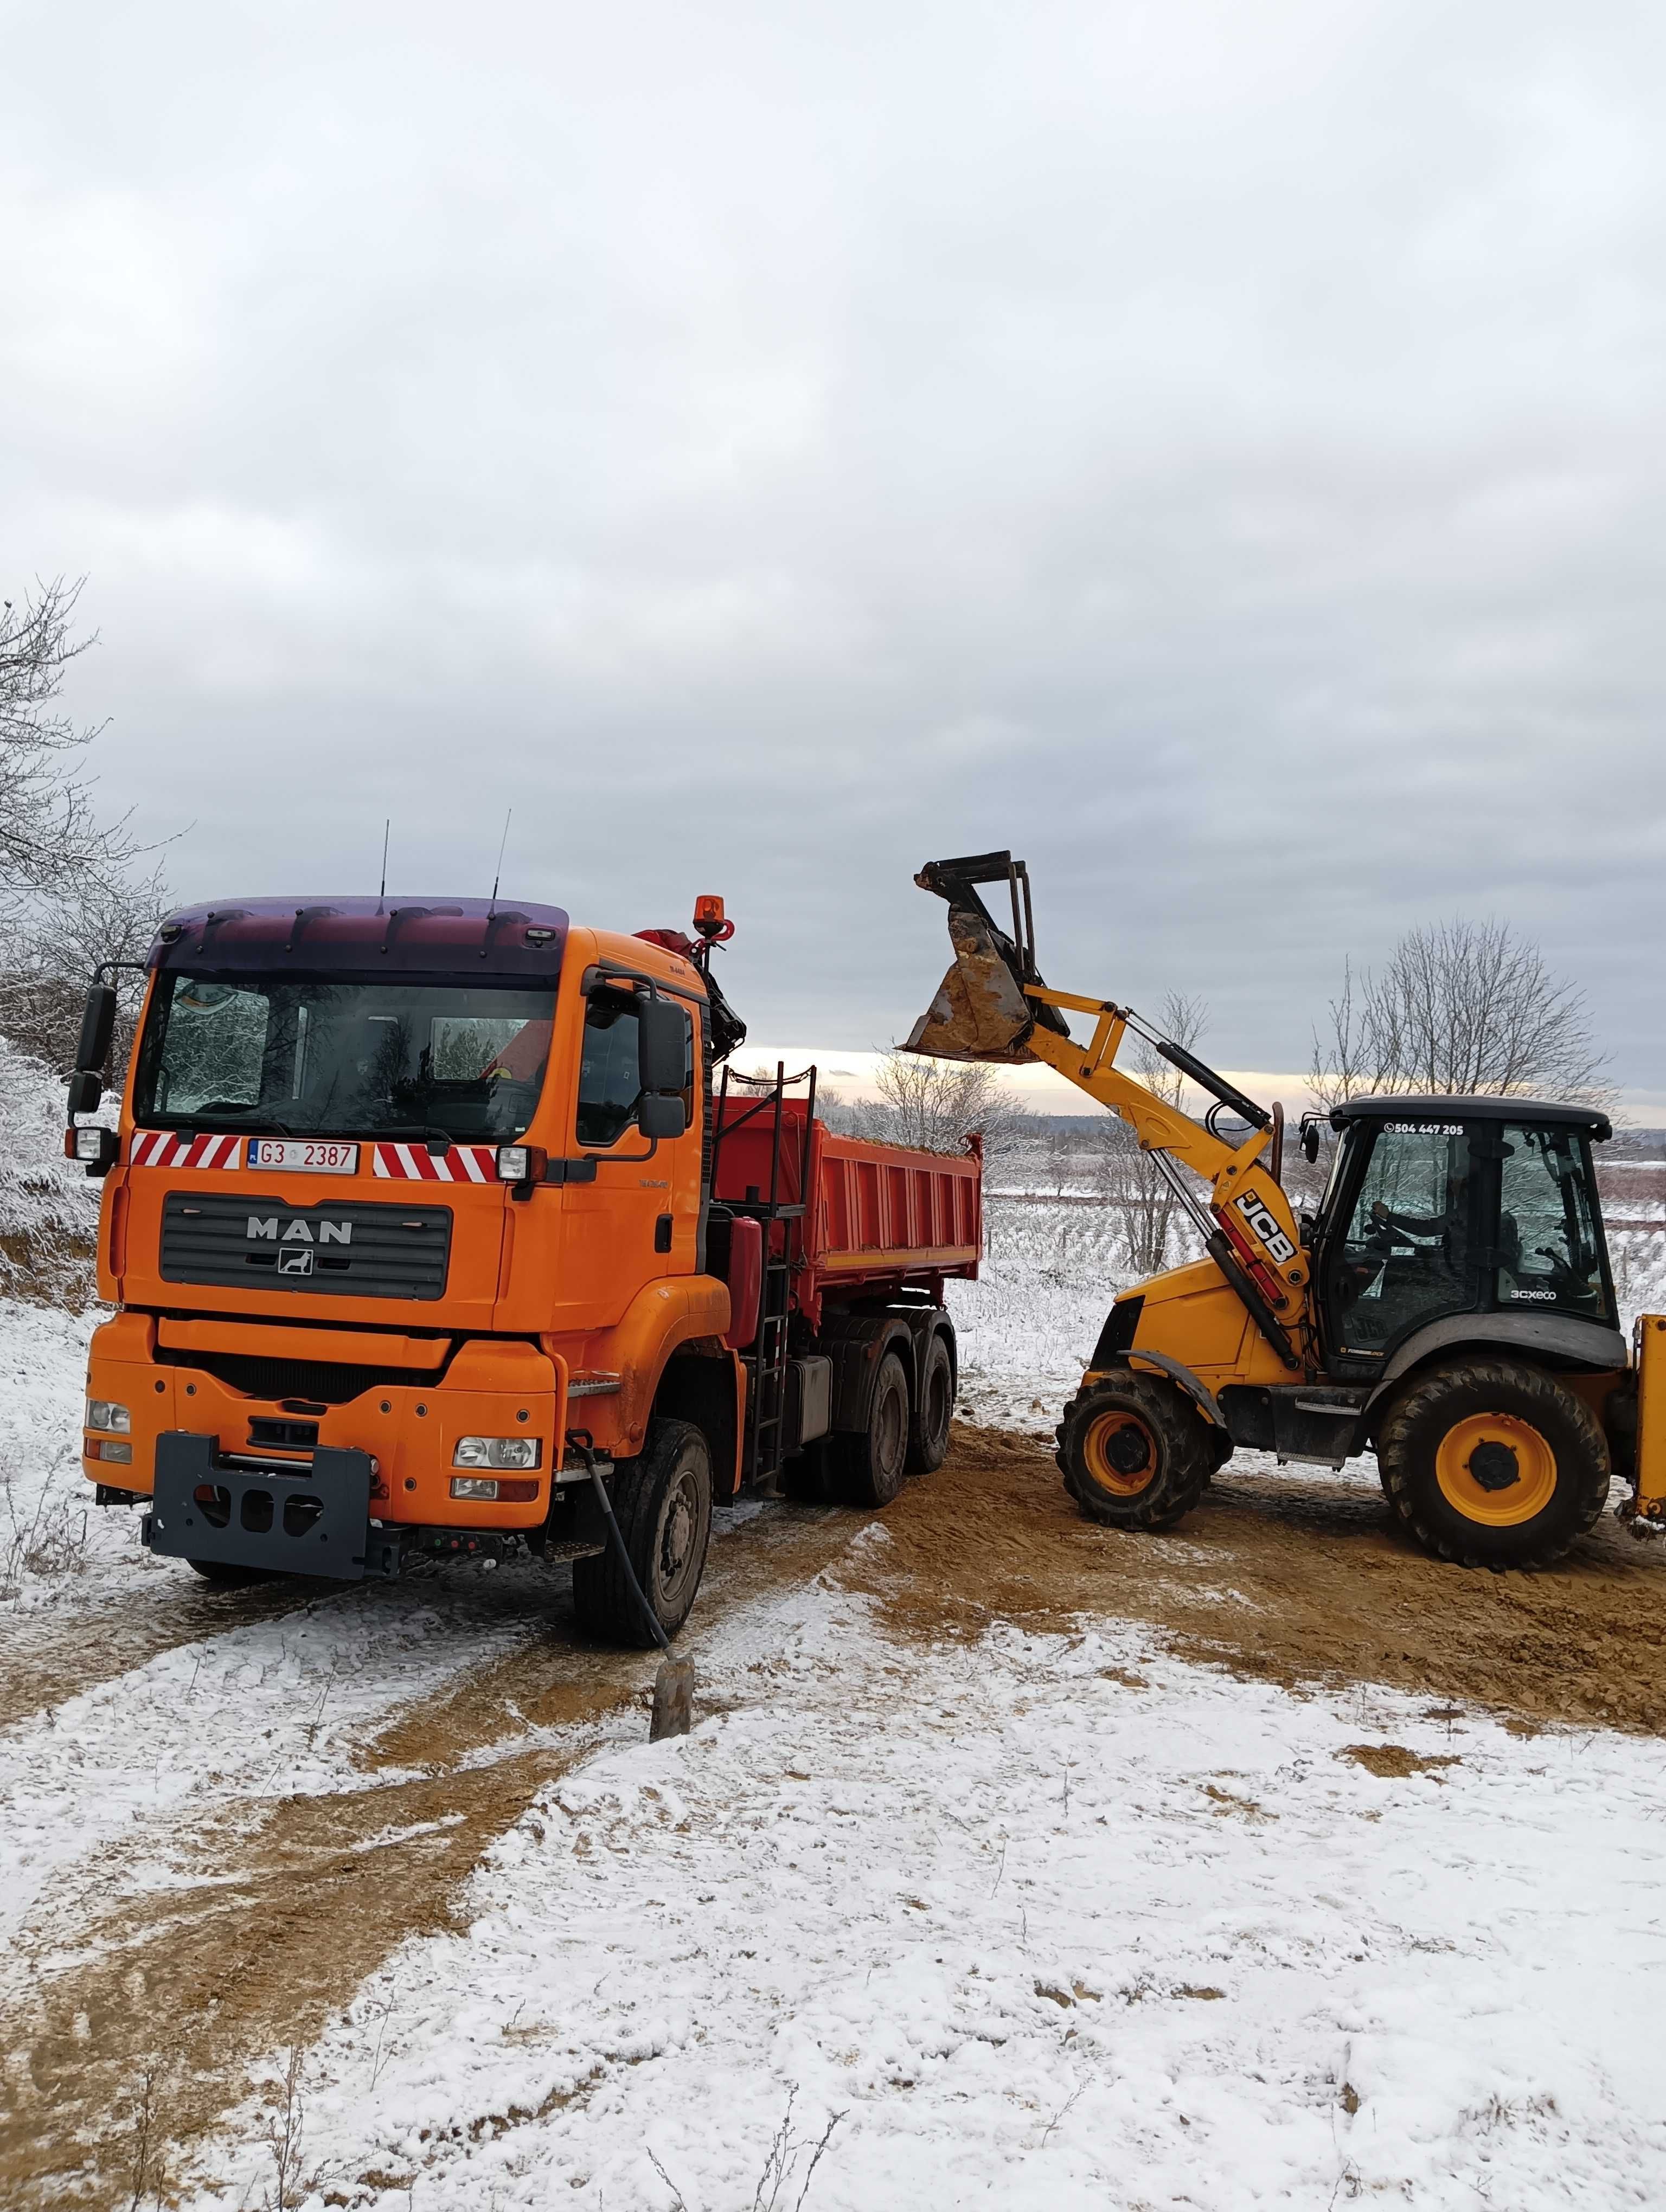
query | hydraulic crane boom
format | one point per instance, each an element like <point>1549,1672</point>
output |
<point>994,1005</point>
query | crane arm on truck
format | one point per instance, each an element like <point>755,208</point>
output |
<point>992,1006</point>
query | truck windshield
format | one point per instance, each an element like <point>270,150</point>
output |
<point>298,1054</point>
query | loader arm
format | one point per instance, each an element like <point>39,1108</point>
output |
<point>992,1006</point>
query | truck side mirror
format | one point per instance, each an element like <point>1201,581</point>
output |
<point>662,1045</point>
<point>86,1093</point>
<point>1309,1141</point>
<point>660,1117</point>
<point>98,1026</point>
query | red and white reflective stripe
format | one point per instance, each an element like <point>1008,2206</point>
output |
<point>415,1163</point>
<point>164,1148</point>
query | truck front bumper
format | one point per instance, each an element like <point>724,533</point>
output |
<point>284,1517</point>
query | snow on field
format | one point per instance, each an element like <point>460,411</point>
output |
<point>1037,1922</point>
<point>1029,1323</point>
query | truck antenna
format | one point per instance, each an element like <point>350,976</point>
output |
<point>382,896</point>
<point>498,877</point>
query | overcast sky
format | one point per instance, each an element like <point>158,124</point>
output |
<point>1216,451</point>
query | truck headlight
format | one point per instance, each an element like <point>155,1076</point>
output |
<point>107,1448</point>
<point>105,1414</point>
<point>495,1451</point>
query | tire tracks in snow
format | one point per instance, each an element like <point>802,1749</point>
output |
<point>51,1657</point>
<point>185,1947</point>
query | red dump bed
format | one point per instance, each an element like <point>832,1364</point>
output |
<point>878,1215</point>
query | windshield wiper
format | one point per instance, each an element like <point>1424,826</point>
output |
<point>435,1138</point>
<point>205,1117</point>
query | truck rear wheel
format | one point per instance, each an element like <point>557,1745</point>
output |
<point>1492,1463</point>
<point>662,1501</point>
<point>1133,1453</point>
<point>873,1466</point>
<point>929,1427</point>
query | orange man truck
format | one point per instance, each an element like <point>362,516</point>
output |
<point>430,1232</point>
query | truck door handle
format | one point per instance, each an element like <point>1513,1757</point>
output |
<point>662,1233</point>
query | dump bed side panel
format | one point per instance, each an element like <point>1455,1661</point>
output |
<point>878,1215</point>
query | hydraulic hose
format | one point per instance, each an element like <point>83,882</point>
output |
<point>617,1536</point>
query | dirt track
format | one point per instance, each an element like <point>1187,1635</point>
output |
<point>273,1913</point>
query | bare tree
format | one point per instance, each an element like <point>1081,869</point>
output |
<point>48,949</point>
<point>1459,1006</point>
<point>73,892</point>
<point>936,1104</point>
<point>1141,1202</point>
<point>52,838</point>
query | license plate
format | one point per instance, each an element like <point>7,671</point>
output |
<point>304,1154</point>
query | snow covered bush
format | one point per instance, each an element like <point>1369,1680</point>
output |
<point>48,1206</point>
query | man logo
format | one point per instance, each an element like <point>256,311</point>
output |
<point>299,1262</point>
<point>298,1233</point>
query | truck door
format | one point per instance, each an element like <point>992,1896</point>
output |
<point>620,1231</point>
<point>1405,1245</point>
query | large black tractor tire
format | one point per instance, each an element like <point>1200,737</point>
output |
<point>870,1466</point>
<point>228,1577</point>
<point>928,1425</point>
<point>1135,1453</point>
<point>662,1501</point>
<point>1491,1462</point>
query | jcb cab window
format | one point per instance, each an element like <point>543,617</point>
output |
<point>609,1074</point>
<point>1406,1258</point>
<point>1550,1251</point>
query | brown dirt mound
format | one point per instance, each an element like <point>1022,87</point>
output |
<point>1293,1575</point>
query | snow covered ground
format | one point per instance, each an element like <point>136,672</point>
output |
<point>1042,1922</point>
<point>1030,1920</point>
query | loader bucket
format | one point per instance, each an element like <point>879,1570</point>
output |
<point>980,1011</point>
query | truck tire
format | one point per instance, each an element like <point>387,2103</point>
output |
<point>1135,1453</point>
<point>873,1465</point>
<point>662,1501</point>
<point>928,1425</point>
<point>1491,1462</point>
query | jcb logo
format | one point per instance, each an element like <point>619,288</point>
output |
<point>265,1229</point>
<point>1256,1217</point>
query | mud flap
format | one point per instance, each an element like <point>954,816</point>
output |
<point>288,1519</point>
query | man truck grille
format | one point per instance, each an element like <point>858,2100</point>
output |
<point>334,1249</point>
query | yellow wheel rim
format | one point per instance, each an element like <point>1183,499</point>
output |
<point>1496,1469</point>
<point>1120,1454</point>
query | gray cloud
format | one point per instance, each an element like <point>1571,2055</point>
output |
<point>1217,451</point>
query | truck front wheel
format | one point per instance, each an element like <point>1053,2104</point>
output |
<point>220,1570</point>
<point>1492,1463</point>
<point>662,1501</point>
<point>1133,1453</point>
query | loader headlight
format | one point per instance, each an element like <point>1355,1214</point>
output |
<point>493,1451</point>
<point>105,1414</point>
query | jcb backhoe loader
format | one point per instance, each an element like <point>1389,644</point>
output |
<point>1449,1304</point>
